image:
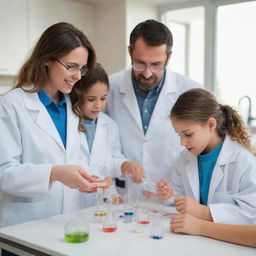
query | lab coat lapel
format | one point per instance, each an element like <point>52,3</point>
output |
<point>41,117</point>
<point>226,156</point>
<point>217,176</point>
<point>98,152</point>
<point>191,169</point>
<point>161,111</point>
<point>129,98</point>
<point>72,126</point>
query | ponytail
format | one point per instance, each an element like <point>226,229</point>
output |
<point>199,105</point>
<point>233,125</point>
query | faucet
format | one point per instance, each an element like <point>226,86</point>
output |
<point>250,118</point>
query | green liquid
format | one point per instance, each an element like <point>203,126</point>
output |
<point>77,237</point>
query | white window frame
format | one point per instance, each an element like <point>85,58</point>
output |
<point>209,33</point>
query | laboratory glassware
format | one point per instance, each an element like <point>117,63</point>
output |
<point>100,211</point>
<point>156,231</point>
<point>76,229</point>
<point>109,224</point>
<point>142,220</point>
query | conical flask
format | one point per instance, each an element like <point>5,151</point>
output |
<point>109,224</point>
<point>100,209</point>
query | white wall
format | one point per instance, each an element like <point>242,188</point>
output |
<point>110,34</point>
<point>136,12</point>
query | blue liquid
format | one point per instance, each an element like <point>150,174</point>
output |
<point>128,216</point>
<point>128,213</point>
<point>157,237</point>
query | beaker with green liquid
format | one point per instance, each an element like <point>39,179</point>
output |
<point>76,230</point>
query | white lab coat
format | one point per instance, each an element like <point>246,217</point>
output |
<point>30,145</point>
<point>106,152</point>
<point>158,148</point>
<point>232,192</point>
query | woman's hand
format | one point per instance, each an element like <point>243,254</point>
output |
<point>135,170</point>
<point>75,177</point>
<point>106,183</point>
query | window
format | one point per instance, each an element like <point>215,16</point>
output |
<point>236,56</point>
<point>187,26</point>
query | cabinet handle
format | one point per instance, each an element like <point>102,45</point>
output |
<point>3,69</point>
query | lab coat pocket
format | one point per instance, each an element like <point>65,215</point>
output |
<point>19,212</point>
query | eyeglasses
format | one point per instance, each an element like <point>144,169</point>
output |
<point>141,67</point>
<point>74,69</point>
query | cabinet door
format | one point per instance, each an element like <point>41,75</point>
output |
<point>13,35</point>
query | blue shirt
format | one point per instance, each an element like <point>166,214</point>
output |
<point>90,127</point>
<point>58,113</point>
<point>206,165</point>
<point>147,100</point>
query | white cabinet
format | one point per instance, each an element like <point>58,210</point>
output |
<point>13,35</point>
<point>23,21</point>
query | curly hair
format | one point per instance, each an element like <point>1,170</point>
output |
<point>199,105</point>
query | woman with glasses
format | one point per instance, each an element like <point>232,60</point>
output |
<point>39,142</point>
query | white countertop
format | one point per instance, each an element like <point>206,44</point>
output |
<point>47,235</point>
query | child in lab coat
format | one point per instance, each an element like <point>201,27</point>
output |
<point>238,234</point>
<point>215,177</point>
<point>100,135</point>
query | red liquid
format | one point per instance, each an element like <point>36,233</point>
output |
<point>109,230</point>
<point>143,222</point>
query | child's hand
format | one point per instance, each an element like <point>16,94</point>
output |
<point>116,199</point>
<point>164,189</point>
<point>186,204</point>
<point>135,170</point>
<point>186,224</point>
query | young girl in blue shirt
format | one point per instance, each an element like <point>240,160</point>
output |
<point>99,133</point>
<point>215,177</point>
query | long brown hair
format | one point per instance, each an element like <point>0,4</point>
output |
<point>199,105</point>
<point>78,93</point>
<point>56,41</point>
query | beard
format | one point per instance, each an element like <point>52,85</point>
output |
<point>147,84</point>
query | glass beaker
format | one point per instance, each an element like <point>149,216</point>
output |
<point>76,230</point>
<point>156,231</point>
<point>143,221</point>
<point>143,217</point>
